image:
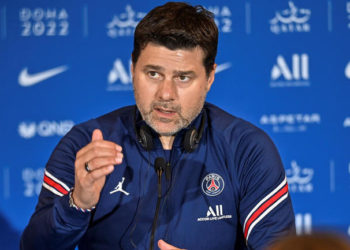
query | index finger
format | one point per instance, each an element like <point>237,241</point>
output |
<point>101,144</point>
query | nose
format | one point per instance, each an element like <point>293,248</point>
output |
<point>167,90</point>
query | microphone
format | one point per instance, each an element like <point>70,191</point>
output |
<point>159,167</point>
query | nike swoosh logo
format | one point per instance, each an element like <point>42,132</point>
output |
<point>347,71</point>
<point>222,67</point>
<point>26,80</point>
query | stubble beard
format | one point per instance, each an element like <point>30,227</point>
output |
<point>175,125</point>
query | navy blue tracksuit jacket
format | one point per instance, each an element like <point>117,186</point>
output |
<point>230,193</point>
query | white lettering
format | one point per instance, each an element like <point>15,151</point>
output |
<point>303,223</point>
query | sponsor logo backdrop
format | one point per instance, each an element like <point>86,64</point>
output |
<point>282,65</point>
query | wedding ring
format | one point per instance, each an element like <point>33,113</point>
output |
<point>87,168</point>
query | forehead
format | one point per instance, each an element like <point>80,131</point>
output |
<point>180,59</point>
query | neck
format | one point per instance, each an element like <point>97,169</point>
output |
<point>167,141</point>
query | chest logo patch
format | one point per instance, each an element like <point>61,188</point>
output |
<point>213,184</point>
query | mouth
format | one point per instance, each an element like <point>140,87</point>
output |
<point>163,112</point>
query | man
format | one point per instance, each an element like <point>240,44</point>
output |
<point>172,171</point>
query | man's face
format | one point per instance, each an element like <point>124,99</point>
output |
<point>170,86</point>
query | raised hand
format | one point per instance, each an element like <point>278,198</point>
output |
<point>100,156</point>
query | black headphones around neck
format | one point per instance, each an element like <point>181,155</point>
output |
<point>191,138</point>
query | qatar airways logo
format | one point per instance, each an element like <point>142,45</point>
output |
<point>28,130</point>
<point>32,179</point>
<point>290,73</point>
<point>290,123</point>
<point>291,20</point>
<point>124,24</point>
<point>299,178</point>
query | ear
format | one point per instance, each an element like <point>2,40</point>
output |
<point>132,67</point>
<point>211,77</point>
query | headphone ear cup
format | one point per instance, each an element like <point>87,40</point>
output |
<point>190,140</point>
<point>145,138</point>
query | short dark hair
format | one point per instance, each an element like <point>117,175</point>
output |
<point>178,25</point>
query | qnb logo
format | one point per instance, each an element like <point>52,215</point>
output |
<point>28,130</point>
<point>303,223</point>
<point>290,123</point>
<point>119,77</point>
<point>295,74</point>
<point>346,123</point>
<point>124,24</point>
<point>32,179</point>
<point>299,179</point>
<point>291,20</point>
<point>347,70</point>
<point>44,22</point>
<point>223,17</point>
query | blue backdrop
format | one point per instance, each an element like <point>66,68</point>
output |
<point>282,65</point>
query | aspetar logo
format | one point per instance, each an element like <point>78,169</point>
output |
<point>303,223</point>
<point>290,73</point>
<point>223,17</point>
<point>290,20</point>
<point>215,213</point>
<point>347,70</point>
<point>120,78</point>
<point>44,22</point>
<point>32,179</point>
<point>290,123</point>
<point>299,179</point>
<point>124,24</point>
<point>346,123</point>
<point>44,128</point>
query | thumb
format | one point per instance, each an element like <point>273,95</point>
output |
<point>97,135</point>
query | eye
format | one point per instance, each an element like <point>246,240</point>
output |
<point>184,78</point>
<point>153,74</point>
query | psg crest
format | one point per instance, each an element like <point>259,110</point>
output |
<point>213,184</point>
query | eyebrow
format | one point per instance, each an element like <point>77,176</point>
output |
<point>153,67</point>
<point>175,72</point>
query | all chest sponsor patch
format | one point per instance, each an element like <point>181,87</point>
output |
<point>215,213</point>
<point>213,184</point>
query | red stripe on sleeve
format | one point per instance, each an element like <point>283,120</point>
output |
<point>55,185</point>
<point>261,209</point>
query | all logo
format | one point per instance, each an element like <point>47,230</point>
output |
<point>223,17</point>
<point>303,223</point>
<point>293,73</point>
<point>119,77</point>
<point>44,22</point>
<point>45,128</point>
<point>291,20</point>
<point>299,179</point>
<point>213,184</point>
<point>290,123</point>
<point>33,179</point>
<point>215,213</point>
<point>124,24</point>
